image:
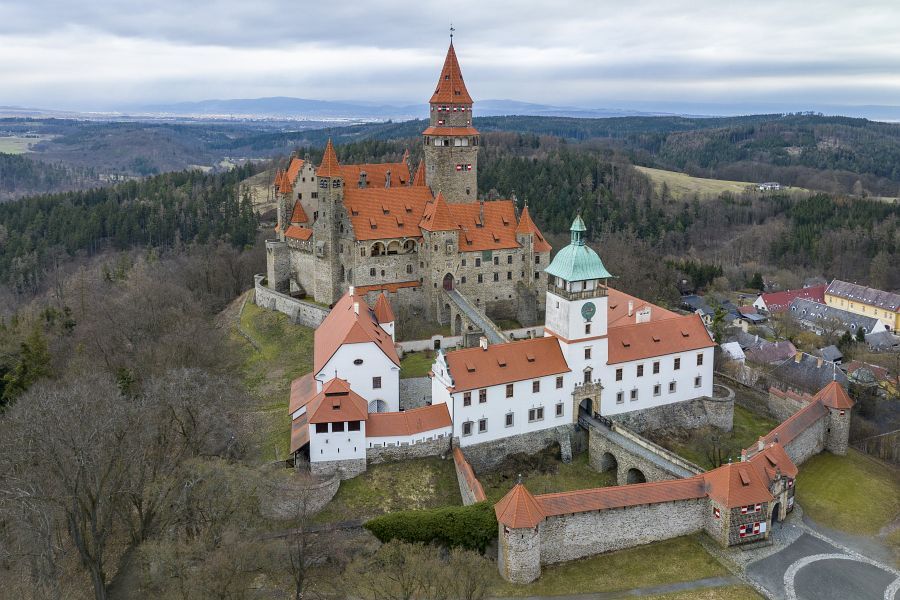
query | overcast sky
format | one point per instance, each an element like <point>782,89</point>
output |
<point>104,53</point>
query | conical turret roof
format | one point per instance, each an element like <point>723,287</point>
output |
<point>450,87</point>
<point>419,177</point>
<point>518,509</point>
<point>330,166</point>
<point>834,395</point>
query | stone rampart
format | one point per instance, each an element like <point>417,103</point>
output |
<point>808,443</point>
<point>342,469</point>
<point>689,414</point>
<point>487,456</point>
<point>436,447</point>
<point>469,487</point>
<point>300,312</point>
<point>783,404</point>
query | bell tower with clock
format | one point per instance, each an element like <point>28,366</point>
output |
<point>577,306</point>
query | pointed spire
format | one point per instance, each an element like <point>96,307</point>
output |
<point>437,216</point>
<point>451,88</point>
<point>578,228</point>
<point>330,166</point>
<point>383,311</point>
<point>419,177</point>
<point>834,395</point>
<point>527,226</point>
<point>519,509</point>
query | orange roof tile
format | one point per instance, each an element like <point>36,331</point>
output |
<point>466,469</point>
<point>518,509</point>
<point>383,311</point>
<point>526,225</point>
<point>410,422</point>
<point>385,287</point>
<point>796,424</point>
<point>344,326</point>
<point>622,495</point>
<point>295,232</point>
<point>617,309</point>
<point>450,131</point>
<point>790,394</point>
<point>834,395</point>
<point>383,213</point>
<point>290,174</point>
<point>657,338</point>
<point>330,166</point>
<point>298,215</point>
<point>299,432</point>
<point>450,87</point>
<point>437,216</point>
<point>337,402</point>
<point>376,174</point>
<point>773,460</point>
<point>419,178</point>
<point>737,484</point>
<point>504,363</point>
<point>302,391</point>
<point>496,232</point>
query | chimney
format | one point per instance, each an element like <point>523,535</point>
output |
<point>819,363</point>
<point>630,308</point>
<point>760,444</point>
<point>387,178</point>
<point>643,315</point>
<point>798,357</point>
<point>482,341</point>
<point>352,290</point>
<point>356,307</point>
<point>481,211</point>
<point>744,455</point>
<point>362,179</point>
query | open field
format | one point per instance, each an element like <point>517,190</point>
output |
<point>16,144</point>
<point>681,184</point>
<point>545,473</point>
<point>671,561</point>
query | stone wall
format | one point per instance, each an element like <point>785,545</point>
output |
<point>807,444</point>
<point>300,312</point>
<point>469,487</point>
<point>487,456</point>
<point>287,502</point>
<point>435,447</point>
<point>837,434</point>
<point>606,455</point>
<point>342,469</point>
<point>689,414</point>
<point>415,392</point>
<point>782,406</point>
<point>519,554</point>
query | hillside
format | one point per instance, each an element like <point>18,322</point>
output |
<point>681,185</point>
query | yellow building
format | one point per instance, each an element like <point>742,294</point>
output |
<point>884,306</point>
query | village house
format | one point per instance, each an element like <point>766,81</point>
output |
<point>778,302</point>
<point>865,301</point>
<point>822,318</point>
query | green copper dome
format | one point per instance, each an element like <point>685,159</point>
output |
<point>577,262</point>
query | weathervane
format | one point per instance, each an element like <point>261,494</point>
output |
<point>451,32</point>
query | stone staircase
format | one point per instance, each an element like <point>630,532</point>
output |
<point>477,317</point>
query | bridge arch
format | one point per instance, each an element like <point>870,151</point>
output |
<point>635,475</point>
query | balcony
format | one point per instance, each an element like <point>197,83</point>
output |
<point>597,292</point>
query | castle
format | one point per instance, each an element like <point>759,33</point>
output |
<point>379,229</point>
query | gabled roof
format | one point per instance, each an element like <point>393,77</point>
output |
<point>806,373</point>
<point>796,424</point>
<point>773,459</point>
<point>834,395</point>
<point>437,216</point>
<point>657,338</point>
<point>293,169</point>
<point>376,174</point>
<point>337,402</point>
<point>779,301</point>
<point>344,326</point>
<point>737,484</point>
<point>527,226</point>
<point>505,363</point>
<point>816,313</point>
<point>383,311</point>
<point>295,232</point>
<point>450,86</point>
<point>302,391</point>
<point>409,422</point>
<point>866,295</point>
<point>518,509</point>
<point>771,352</point>
<point>330,167</point>
<point>298,215</point>
<point>617,309</point>
<point>419,177</point>
<point>494,230</point>
<point>386,213</point>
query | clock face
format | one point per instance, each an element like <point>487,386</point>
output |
<point>588,310</point>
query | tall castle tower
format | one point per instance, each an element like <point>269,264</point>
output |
<point>329,272</point>
<point>451,143</point>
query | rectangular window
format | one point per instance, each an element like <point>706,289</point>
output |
<point>699,359</point>
<point>376,382</point>
<point>657,390</point>
<point>587,328</point>
<point>337,427</point>
<point>559,409</point>
<point>587,352</point>
<point>467,428</point>
<point>509,419</point>
<point>677,364</point>
<point>482,425</point>
<point>480,278</point>
<point>671,387</point>
<point>537,259</point>
<point>477,262</point>
<point>656,367</point>
<point>467,398</point>
<point>640,370</point>
<point>371,272</point>
<point>321,427</point>
<point>559,382</point>
<point>618,374</point>
<point>536,414</point>
<point>482,396</point>
<point>462,279</point>
<point>536,386</point>
<point>620,397</point>
<point>509,259</point>
<point>496,276</point>
<point>698,381</point>
<point>509,275</point>
<point>509,390</point>
<point>497,260</point>
<point>353,426</point>
<point>634,394</point>
<point>463,262</point>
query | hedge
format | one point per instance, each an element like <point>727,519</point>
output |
<point>472,527</point>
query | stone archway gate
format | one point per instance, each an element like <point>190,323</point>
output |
<point>632,451</point>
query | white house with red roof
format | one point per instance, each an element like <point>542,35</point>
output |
<point>778,302</point>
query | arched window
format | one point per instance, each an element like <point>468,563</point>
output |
<point>393,247</point>
<point>409,246</point>
<point>378,249</point>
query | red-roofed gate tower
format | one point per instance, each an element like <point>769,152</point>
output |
<point>451,143</point>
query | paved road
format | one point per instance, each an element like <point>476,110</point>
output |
<point>812,568</point>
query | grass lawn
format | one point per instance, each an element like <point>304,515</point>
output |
<point>506,324</point>
<point>671,561</point>
<point>283,353</point>
<point>420,330</point>
<point>853,493</point>
<point>410,484</point>
<point>728,592</point>
<point>415,364</point>
<point>551,476</point>
<point>20,145</point>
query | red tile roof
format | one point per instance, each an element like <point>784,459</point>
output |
<point>385,287</point>
<point>450,87</point>
<point>410,422</point>
<point>657,338</point>
<point>622,495</point>
<point>385,213</point>
<point>376,174</point>
<point>330,166</point>
<point>299,432</point>
<point>383,311</point>
<point>617,309</point>
<point>295,232</point>
<point>518,509</point>
<point>773,459</point>
<point>779,301</point>
<point>497,230</point>
<point>468,474</point>
<point>747,310</point>
<point>419,178</point>
<point>796,424</point>
<point>834,395</point>
<point>302,391</point>
<point>336,403</point>
<point>526,226</point>
<point>450,131</point>
<point>344,326</point>
<point>298,215</point>
<point>290,174</point>
<point>437,216</point>
<point>505,363</point>
<point>737,484</point>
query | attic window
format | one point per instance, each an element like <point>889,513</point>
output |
<point>529,357</point>
<point>685,333</point>
<point>399,221</point>
<point>408,208</point>
<point>626,343</point>
<point>478,222</point>
<point>336,405</point>
<point>771,460</point>
<point>385,210</point>
<point>495,236</point>
<point>655,338</point>
<point>505,220</point>
<point>354,213</point>
<point>613,306</point>
<point>501,362</point>
<point>470,367</point>
<point>372,223</point>
<point>745,479</point>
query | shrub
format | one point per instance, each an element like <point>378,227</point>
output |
<point>471,527</point>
